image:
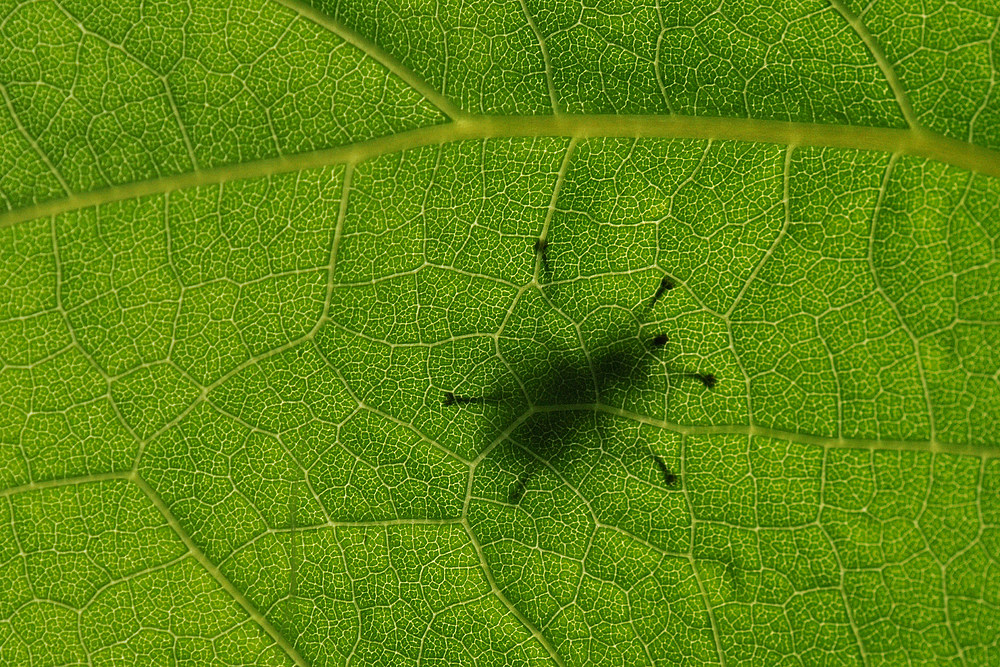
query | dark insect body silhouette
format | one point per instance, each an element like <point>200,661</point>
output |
<point>550,405</point>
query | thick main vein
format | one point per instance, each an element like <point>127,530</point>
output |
<point>888,140</point>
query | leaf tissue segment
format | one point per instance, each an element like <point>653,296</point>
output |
<point>499,333</point>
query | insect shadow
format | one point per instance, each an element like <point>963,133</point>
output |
<point>542,415</point>
<point>559,403</point>
<point>540,421</point>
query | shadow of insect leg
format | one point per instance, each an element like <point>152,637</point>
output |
<point>542,253</point>
<point>520,486</point>
<point>669,476</point>
<point>450,398</point>
<point>665,285</point>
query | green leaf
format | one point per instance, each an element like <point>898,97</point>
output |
<point>499,332</point>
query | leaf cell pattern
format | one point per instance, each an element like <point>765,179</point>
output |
<point>248,251</point>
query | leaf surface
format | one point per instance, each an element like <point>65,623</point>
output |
<point>499,333</point>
